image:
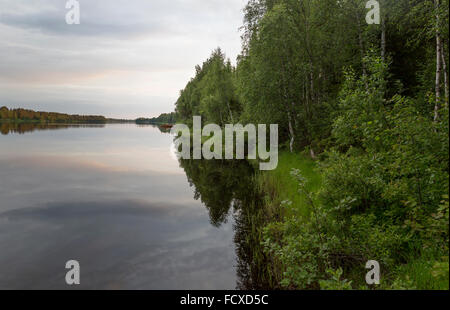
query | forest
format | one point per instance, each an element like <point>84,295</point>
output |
<point>363,129</point>
<point>165,118</point>
<point>23,115</point>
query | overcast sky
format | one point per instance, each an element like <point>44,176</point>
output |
<point>127,58</point>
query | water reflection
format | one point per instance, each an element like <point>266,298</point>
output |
<point>162,129</point>
<point>219,184</point>
<point>227,189</point>
<point>21,128</point>
<point>119,244</point>
<point>115,200</point>
<point>132,214</point>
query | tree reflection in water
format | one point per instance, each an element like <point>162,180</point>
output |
<point>22,128</point>
<point>227,188</point>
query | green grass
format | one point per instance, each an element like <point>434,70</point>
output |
<point>421,273</point>
<point>279,185</point>
<point>426,270</point>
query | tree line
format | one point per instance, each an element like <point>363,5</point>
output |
<point>16,115</point>
<point>164,118</point>
<point>295,54</point>
<point>371,103</point>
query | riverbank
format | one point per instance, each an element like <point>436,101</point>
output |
<point>283,185</point>
<point>309,247</point>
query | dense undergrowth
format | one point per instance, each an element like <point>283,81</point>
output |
<point>381,193</point>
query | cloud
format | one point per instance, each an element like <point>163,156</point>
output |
<point>95,23</point>
<point>138,50</point>
<point>118,18</point>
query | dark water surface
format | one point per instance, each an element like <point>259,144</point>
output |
<point>116,199</point>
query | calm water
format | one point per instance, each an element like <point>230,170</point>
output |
<point>116,199</point>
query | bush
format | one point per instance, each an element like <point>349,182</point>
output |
<point>381,196</point>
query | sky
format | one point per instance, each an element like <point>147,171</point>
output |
<point>126,58</point>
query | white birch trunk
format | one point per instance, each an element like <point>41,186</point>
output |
<point>383,38</point>
<point>291,132</point>
<point>438,64</point>
<point>444,69</point>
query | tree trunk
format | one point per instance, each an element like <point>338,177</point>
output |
<point>444,68</point>
<point>291,132</point>
<point>313,154</point>
<point>231,114</point>
<point>438,64</point>
<point>383,38</point>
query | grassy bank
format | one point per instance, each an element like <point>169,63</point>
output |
<point>280,200</point>
<point>281,186</point>
<point>308,248</point>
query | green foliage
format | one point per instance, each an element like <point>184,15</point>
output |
<point>365,107</point>
<point>165,118</point>
<point>210,94</point>
<point>381,198</point>
<point>429,271</point>
<point>392,162</point>
<point>335,283</point>
<point>276,187</point>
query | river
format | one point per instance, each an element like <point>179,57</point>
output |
<point>116,199</point>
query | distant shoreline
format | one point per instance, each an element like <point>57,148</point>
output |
<point>22,116</point>
<point>80,122</point>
